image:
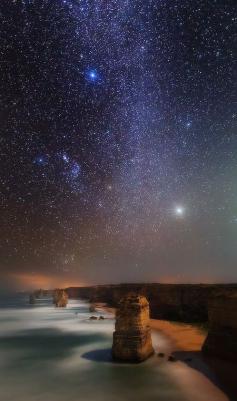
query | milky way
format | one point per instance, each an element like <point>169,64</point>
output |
<point>118,139</point>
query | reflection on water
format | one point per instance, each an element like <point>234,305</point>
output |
<point>49,354</point>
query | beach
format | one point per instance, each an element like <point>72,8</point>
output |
<point>184,337</point>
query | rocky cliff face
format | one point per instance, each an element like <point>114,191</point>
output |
<point>132,336</point>
<point>167,301</point>
<point>60,298</point>
<point>222,336</point>
<point>184,302</point>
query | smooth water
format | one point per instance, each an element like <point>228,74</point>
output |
<point>49,354</point>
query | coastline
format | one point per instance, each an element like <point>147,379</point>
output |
<point>190,370</point>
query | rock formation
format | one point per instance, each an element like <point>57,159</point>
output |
<point>184,302</point>
<point>132,336</point>
<point>221,340</point>
<point>92,308</point>
<point>32,299</point>
<point>60,298</point>
<point>38,293</point>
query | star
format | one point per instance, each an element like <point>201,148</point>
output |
<point>118,124</point>
<point>92,75</point>
<point>65,158</point>
<point>41,160</point>
<point>179,211</point>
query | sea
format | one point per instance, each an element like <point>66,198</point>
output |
<point>59,354</point>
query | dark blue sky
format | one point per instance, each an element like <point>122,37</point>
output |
<point>118,140</point>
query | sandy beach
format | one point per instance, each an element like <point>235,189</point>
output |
<point>184,337</point>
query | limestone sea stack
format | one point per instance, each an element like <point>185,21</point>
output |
<point>221,340</point>
<point>60,298</point>
<point>132,336</point>
<point>32,299</point>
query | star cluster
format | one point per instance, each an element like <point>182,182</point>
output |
<point>118,139</point>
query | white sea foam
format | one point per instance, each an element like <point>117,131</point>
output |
<point>49,354</point>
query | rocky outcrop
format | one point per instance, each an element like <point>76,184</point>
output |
<point>32,299</point>
<point>221,340</point>
<point>92,308</point>
<point>132,336</point>
<point>60,298</point>
<point>38,293</point>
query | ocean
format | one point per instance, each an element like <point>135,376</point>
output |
<point>53,354</point>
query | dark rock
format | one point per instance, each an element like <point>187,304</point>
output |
<point>32,299</point>
<point>101,318</point>
<point>221,340</point>
<point>172,358</point>
<point>93,318</point>
<point>161,354</point>
<point>92,308</point>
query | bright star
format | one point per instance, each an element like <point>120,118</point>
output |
<point>40,160</point>
<point>179,211</point>
<point>93,76</point>
<point>65,158</point>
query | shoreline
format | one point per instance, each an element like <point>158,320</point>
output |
<point>191,369</point>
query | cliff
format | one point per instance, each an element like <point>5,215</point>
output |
<point>184,302</point>
<point>132,336</point>
<point>221,340</point>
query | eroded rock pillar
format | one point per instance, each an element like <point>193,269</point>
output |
<point>60,298</point>
<point>132,336</point>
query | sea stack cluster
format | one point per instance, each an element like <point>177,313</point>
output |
<point>60,298</point>
<point>221,340</point>
<point>132,336</point>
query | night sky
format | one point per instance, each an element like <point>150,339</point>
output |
<point>118,153</point>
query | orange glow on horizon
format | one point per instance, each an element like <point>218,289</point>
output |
<point>26,281</point>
